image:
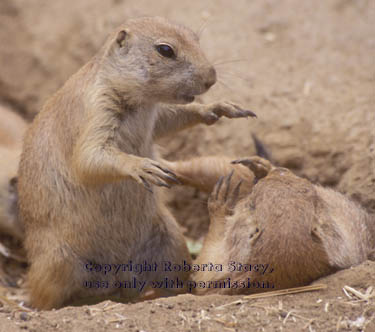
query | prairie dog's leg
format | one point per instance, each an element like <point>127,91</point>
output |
<point>96,159</point>
<point>173,118</point>
<point>46,292</point>
<point>57,278</point>
<point>203,172</point>
<point>54,277</point>
<point>171,249</point>
<point>221,204</point>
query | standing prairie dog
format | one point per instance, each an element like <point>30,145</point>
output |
<point>88,177</point>
<point>12,129</point>
<point>284,232</point>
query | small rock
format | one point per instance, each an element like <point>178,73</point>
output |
<point>24,316</point>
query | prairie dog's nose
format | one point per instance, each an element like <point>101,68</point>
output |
<point>211,78</point>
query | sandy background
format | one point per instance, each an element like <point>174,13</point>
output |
<point>306,68</point>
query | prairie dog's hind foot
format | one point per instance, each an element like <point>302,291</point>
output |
<point>259,166</point>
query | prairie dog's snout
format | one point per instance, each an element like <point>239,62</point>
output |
<point>209,77</point>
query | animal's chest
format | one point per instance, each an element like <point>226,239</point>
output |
<point>135,132</point>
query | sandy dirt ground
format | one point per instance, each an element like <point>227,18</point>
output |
<point>306,68</point>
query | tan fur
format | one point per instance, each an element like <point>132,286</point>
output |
<point>88,159</point>
<point>204,172</point>
<point>302,231</point>
<point>12,129</point>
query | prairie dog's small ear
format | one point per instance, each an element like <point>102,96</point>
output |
<point>121,38</point>
<point>120,43</point>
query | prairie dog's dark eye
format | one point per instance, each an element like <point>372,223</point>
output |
<point>165,50</point>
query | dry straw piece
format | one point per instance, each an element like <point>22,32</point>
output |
<point>287,291</point>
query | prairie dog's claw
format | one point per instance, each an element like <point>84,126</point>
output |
<point>212,112</point>
<point>146,185</point>
<point>224,198</point>
<point>244,112</point>
<point>148,172</point>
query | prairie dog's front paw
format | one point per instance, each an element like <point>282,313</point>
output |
<point>224,197</point>
<point>213,112</point>
<point>147,171</point>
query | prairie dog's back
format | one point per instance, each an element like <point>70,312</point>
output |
<point>284,209</point>
<point>343,219</point>
<point>309,231</point>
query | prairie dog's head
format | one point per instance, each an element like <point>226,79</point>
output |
<point>158,60</point>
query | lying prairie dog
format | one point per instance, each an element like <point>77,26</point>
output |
<point>12,129</point>
<point>283,232</point>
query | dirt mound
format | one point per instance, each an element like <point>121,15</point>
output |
<point>332,309</point>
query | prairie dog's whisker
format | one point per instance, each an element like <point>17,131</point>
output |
<point>225,85</point>
<point>224,62</point>
<point>235,75</point>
